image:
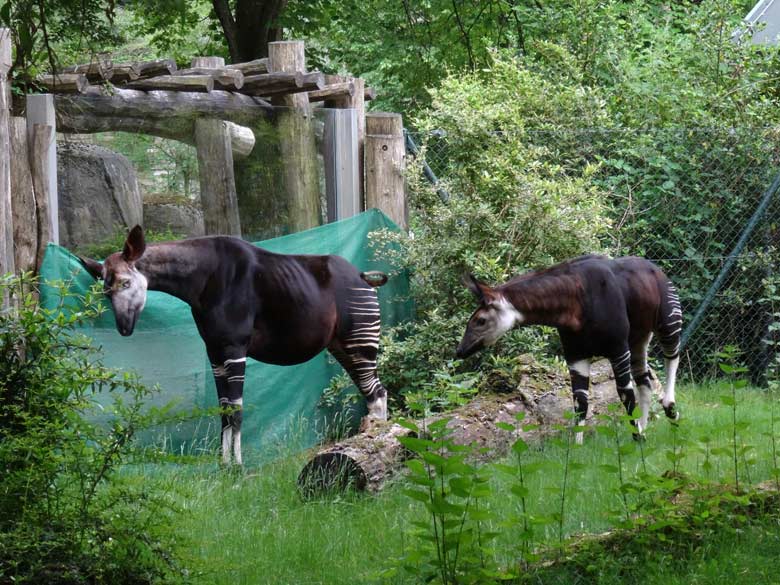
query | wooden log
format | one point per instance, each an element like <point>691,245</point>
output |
<point>6,214</point>
<point>332,90</point>
<point>296,137</point>
<point>95,71</point>
<point>227,79</point>
<point>169,115</point>
<point>385,160</point>
<point>125,72</point>
<point>185,83</point>
<point>266,83</point>
<point>154,68</point>
<point>217,181</point>
<point>63,83</point>
<point>368,460</point>
<point>25,215</point>
<point>252,67</point>
<point>42,137</point>
<point>207,62</point>
<point>312,81</point>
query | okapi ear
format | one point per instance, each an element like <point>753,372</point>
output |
<point>471,283</point>
<point>94,267</point>
<point>134,245</point>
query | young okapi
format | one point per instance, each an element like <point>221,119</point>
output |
<point>248,302</point>
<point>601,307</point>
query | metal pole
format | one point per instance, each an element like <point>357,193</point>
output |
<point>732,258</point>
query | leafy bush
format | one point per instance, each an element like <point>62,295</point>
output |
<point>66,425</point>
<point>512,208</point>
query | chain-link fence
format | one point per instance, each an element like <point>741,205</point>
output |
<point>683,198</point>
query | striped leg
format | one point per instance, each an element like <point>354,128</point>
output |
<point>357,349</point>
<point>621,367</point>
<point>641,374</point>
<point>669,333</point>
<point>579,372</point>
<point>229,378</point>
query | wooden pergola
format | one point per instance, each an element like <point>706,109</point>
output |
<point>211,106</point>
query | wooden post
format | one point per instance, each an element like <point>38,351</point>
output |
<point>40,111</point>
<point>207,62</point>
<point>25,218</point>
<point>385,165</point>
<point>356,101</point>
<point>40,147</point>
<point>217,181</point>
<point>296,135</point>
<point>6,215</point>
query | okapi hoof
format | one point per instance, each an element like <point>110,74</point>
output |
<point>671,412</point>
<point>638,437</point>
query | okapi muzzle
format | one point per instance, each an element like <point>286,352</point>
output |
<point>494,317</point>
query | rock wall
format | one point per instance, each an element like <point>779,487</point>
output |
<point>98,190</point>
<point>183,218</point>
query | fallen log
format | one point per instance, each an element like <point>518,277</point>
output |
<point>368,460</point>
<point>224,78</point>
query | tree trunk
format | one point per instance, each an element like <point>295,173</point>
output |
<point>251,28</point>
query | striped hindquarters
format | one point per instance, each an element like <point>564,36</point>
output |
<point>670,325</point>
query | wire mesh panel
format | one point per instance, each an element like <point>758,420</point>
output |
<point>681,197</point>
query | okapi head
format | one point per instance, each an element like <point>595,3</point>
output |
<point>494,316</point>
<point>123,284</point>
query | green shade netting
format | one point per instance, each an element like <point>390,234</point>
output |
<point>280,402</point>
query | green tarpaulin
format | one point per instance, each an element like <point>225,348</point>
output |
<point>280,402</point>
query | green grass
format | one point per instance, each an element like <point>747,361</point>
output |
<point>253,527</point>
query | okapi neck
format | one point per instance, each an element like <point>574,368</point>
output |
<point>176,269</point>
<point>546,300</point>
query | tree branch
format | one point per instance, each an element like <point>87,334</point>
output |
<point>228,23</point>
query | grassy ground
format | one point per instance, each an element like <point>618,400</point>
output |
<point>253,528</point>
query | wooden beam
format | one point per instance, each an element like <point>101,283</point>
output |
<point>252,67</point>
<point>228,79</point>
<point>385,165</point>
<point>296,137</point>
<point>332,90</point>
<point>217,181</point>
<point>160,113</point>
<point>63,83</point>
<point>125,72</point>
<point>185,83</point>
<point>154,68</point>
<point>6,213</point>
<point>311,81</point>
<point>266,83</point>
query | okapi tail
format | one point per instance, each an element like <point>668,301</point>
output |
<point>670,321</point>
<point>374,278</point>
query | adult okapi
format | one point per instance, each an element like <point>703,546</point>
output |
<point>248,302</point>
<point>601,307</point>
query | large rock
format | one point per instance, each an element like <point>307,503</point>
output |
<point>98,190</point>
<point>180,215</point>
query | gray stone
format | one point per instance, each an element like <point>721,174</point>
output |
<point>98,191</point>
<point>183,218</point>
